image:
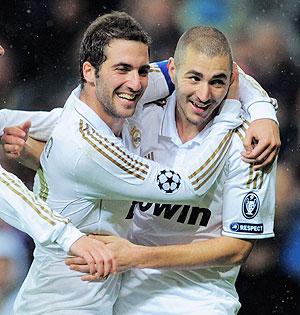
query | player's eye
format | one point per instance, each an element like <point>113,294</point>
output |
<point>194,78</point>
<point>217,83</point>
<point>122,69</point>
<point>144,72</point>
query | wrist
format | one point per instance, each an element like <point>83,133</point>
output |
<point>141,256</point>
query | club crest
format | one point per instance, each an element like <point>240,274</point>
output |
<point>135,136</point>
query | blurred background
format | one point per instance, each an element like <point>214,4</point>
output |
<point>40,68</point>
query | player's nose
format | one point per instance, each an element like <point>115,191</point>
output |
<point>203,92</point>
<point>134,81</point>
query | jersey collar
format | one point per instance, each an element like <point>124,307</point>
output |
<point>87,113</point>
<point>168,125</point>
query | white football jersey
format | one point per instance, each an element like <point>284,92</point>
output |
<point>240,204</point>
<point>84,168</point>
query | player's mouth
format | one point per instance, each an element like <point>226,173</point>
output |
<point>199,105</point>
<point>128,97</point>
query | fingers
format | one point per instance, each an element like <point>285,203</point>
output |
<point>263,151</point>
<point>17,131</point>
<point>14,139</point>
<point>93,278</point>
<point>12,151</point>
<point>26,126</point>
<point>262,143</point>
<point>75,261</point>
<point>93,274</point>
<point>259,152</point>
<point>96,257</point>
<point>266,158</point>
<point>103,266</point>
<point>8,139</point>
<point>248,143</point>
<point>92,267</point>
<point>267,162</point>
<point>84,265</point>
<point>81,268</point>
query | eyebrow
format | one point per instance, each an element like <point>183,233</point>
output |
<point>216,76</point>
<point>220,76</point>
<point>127,65</point>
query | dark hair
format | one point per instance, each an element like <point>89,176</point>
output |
<point>115,25</point>
<point>207,40</point>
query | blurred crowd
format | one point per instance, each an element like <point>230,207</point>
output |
<point>40,68</point>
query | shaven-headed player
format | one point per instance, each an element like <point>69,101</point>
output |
<point>26,212</point>
<point>85,164</point>
<point>219,229</point>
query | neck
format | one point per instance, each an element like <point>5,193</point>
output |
<point>186,130</point>
<point>88,96</point>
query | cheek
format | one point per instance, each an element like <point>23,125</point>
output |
<point>219,95</point>
<point>144,82</point>
<point>185,91</point>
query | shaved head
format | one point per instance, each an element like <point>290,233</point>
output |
<point>204,39</point>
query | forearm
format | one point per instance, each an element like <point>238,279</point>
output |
<point>221,251</point>
<point>30,156</point>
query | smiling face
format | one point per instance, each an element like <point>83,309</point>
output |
<point>122,77</point>
<point>114,90</point>
<point>201,83</point>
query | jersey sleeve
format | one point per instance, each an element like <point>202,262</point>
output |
<point>21,209</point>
<point>248,197</point>
<point>255,100</point>
<point>42,122</point>
<point>106,166</point>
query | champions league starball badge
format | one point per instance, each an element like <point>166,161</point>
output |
<point>168,181</point>
<point>250,205</point>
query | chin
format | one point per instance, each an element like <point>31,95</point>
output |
<point>127,113</point>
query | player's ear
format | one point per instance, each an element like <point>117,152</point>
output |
<point>89,72</point>
<point>171,68</point>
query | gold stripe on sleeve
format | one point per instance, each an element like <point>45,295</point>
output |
<point>255,179</point>
<point>216,153</point>
<point>201,180</point>
<point>20,190</point>
<point>113,153</point>
<point>240,135</point>
<point>44,189</point>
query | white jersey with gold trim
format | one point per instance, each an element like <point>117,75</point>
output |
<point>84,167</point>
<point>28,213</point>
<point>132,174</point>
<point>240,204</point>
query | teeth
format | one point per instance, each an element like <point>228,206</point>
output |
<point>199,105</point>
<point>127,96</point>
<point>195,104</point>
